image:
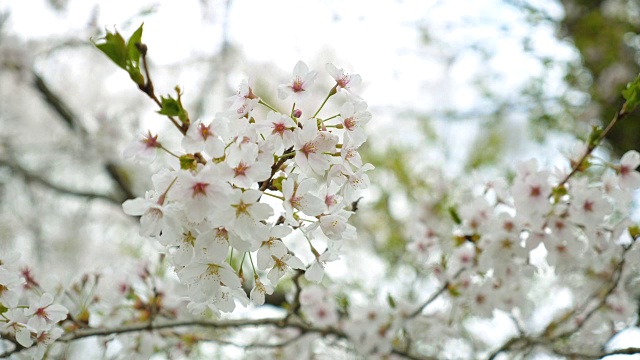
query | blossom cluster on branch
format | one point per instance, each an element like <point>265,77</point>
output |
<point>257,201</point>
<point>214,208</point>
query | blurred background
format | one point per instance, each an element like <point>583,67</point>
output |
<point>459,90</point>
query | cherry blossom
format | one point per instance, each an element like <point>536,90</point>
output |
<point>202,192</point>
<point>205,137</point>
<point>44,312</point>
<point>143,150</point>
<point>281,265</point>
<point>259,291</point>
<point>353,117</point>
<point>314,148</point>
<point>299,86</point>
<point>297,196</point>
<point>343,80</point>
<point>628,177</point>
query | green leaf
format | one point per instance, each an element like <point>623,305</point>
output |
<point>113,46</point>
<point>392,303</point>
<point>454,215</point>
<point>136,76</point>
<point>594,136</point>
<point>188,162</point>
<point>632,94</point>
<point>277,183</point>
<point>170,106</point>
<point>132,48</point>
<point>558,192</point>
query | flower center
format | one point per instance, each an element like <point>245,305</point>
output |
<point>309,148</point>
<point>350,123</point>
<point>297,84</point>
<point>200,189</point>
<point>278,128</point>
<point>241,169</point>
<point>205,131</point>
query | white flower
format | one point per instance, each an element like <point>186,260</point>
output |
<point>628,177</point>
<point>355,180</point>
<point>206,277</point>
<point>314,148</point>
<point>315,272</point>
<point>143,150</point>
<point>588,206</point>
<point>353,117</point>
<point>259,291</point>
<point>269,249</point>
<point>245,172</point>
<point>278,126</point>
<point>17,324</point>
<point>333,225</point>
<point>155,216</point>
<point>343,80</point>
<point>10,283</point>
<point>44,338</point>
<point>296,196</point>
<point>201,193</point>
<point>243,214</point>
<point>531,190</point>
<point>244,95</point>
<point>281,265</point>
<point>201,136</point>
<point>44,313</point>
<point>349,153</point>
<point>299,86</point>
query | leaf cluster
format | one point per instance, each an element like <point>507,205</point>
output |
<point>124,54</point>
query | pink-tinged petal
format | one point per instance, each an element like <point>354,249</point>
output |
<point>135,207</point>
<point>631,158</point>
<point>23,335</point>
<point>57,313</point>
<point>293,262</point>
<point>315,272</point>
<point>151,222</point>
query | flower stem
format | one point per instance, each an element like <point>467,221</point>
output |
<point>332,92</point>
<point>275,196</point>
<point>267,105</point>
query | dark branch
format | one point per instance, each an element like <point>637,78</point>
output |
<point>34,178</point>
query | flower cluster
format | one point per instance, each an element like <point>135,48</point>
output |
<point>28,315</point>
<point>496,244</point>
<point>254,184</point>
<point>559,229</point>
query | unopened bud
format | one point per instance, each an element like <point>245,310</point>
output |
<point>142,48</point>
<point>297,113</point>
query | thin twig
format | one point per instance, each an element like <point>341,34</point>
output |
<point>435,295</point>
<point>620,114</point>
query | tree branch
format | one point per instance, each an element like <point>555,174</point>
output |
<point>435,295</point>
<point>31,177</point>
<point>219,324</point>
<point>602,293</point>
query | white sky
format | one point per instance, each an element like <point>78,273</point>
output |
<point>376,39</point>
